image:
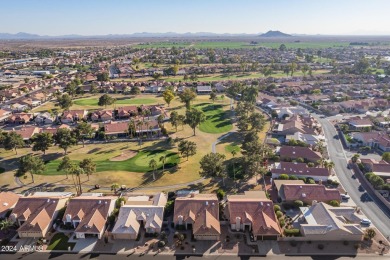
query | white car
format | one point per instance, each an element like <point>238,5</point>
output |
<point>345,196</point>
<point>365,221</point>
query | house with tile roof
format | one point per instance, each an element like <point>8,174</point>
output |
<point>87,215</point>
<point>199,213</point>
<point>307,193</point>
<point>8,201</point>
<point>27,132</point>
<point>35,214</point>
<point>379,140</point>
<point>252,211</point>
<point>139,212</point>
<point>380,168</point>
<point>322,222</point>
<point>71,116</point>
<point>294,152</point>
<point>299,170</point>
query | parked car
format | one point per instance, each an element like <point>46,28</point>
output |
<point>345,196</point>
<point>365,222</point>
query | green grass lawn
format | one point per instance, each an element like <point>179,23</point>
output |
<point>217,119</point>
<point>127,101</point>
<point>139,163</point>
<point>232,147</point>
<point>60,242</point>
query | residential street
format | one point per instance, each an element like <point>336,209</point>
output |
<point>58,256</point>
<point>379,217</point>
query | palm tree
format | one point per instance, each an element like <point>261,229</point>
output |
<point>147,128</point>
<point>234,170</point>
<point>139,125</point>
<point>115,187</point>
<point>5,225</point>
<point>163,159</point>
<point>329,165</point>
<point>153,165</point>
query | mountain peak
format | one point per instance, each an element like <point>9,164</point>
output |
<point>275,34</point>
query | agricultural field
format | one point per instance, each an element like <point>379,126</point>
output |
<point>244,45</point>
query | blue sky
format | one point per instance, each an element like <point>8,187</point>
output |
<point>97,17</point>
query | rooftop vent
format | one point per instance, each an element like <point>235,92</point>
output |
<point>207,203</point>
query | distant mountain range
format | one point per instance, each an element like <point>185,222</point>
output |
<point>275,34</point>
<point>29,36</point>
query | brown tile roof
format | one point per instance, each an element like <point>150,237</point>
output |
<point>37,212</point>
<point>91,211</point>
<point>7,201</point>
<point>293,168</point>
<point>27,132</point>
<point>203,210</point>
<point>257,211</point>
<point>308,193</point>
<point>295,152</point>
<point>116,127</point>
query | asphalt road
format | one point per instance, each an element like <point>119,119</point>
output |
<point>57,256</point>
<point>350,184</point>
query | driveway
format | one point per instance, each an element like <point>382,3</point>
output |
<point>84,244</point>
<point>351,185</point>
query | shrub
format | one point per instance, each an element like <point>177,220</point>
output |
<point>276,208</point>
<point>298,203</point>
<point>283,177</point>
<point>320,246</point>
<point>220,194</point>
<point>292,232</point>
<point>293,177</point>
<point>161,243</point>
<point>334,203</point>
<point>279,214</point>
<point>282,222</point>
<point>310,181</point>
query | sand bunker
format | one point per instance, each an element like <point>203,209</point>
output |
<point>124,156</point>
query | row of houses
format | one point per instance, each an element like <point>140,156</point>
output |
<point>86,216</point>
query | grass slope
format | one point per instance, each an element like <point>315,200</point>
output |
<point>132,101</point>
<point>139,163</point>
<point>217,120</point>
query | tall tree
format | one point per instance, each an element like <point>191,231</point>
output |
<point>194,117</point>
<point>88,166</point>
<point>106,100</point>
<point>187,96</point>
<point>64,165</point>
<point>76,172</point>
<point>163,159</point>
<point>83,130</point>
<point>187,148</point>
<point>213,96</point>
<point>386,157</point>
<point>174,119</point>
<point>65,139</point>
<point>168,96</point>
<point>153,166</point>
<point>31,164</point>
<point>181,120</point>
<point>42,142</point>
<point>12,141</point>
<point>212,165</point>
<point>65,101</point>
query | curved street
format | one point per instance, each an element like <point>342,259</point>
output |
<point>359,196</point>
